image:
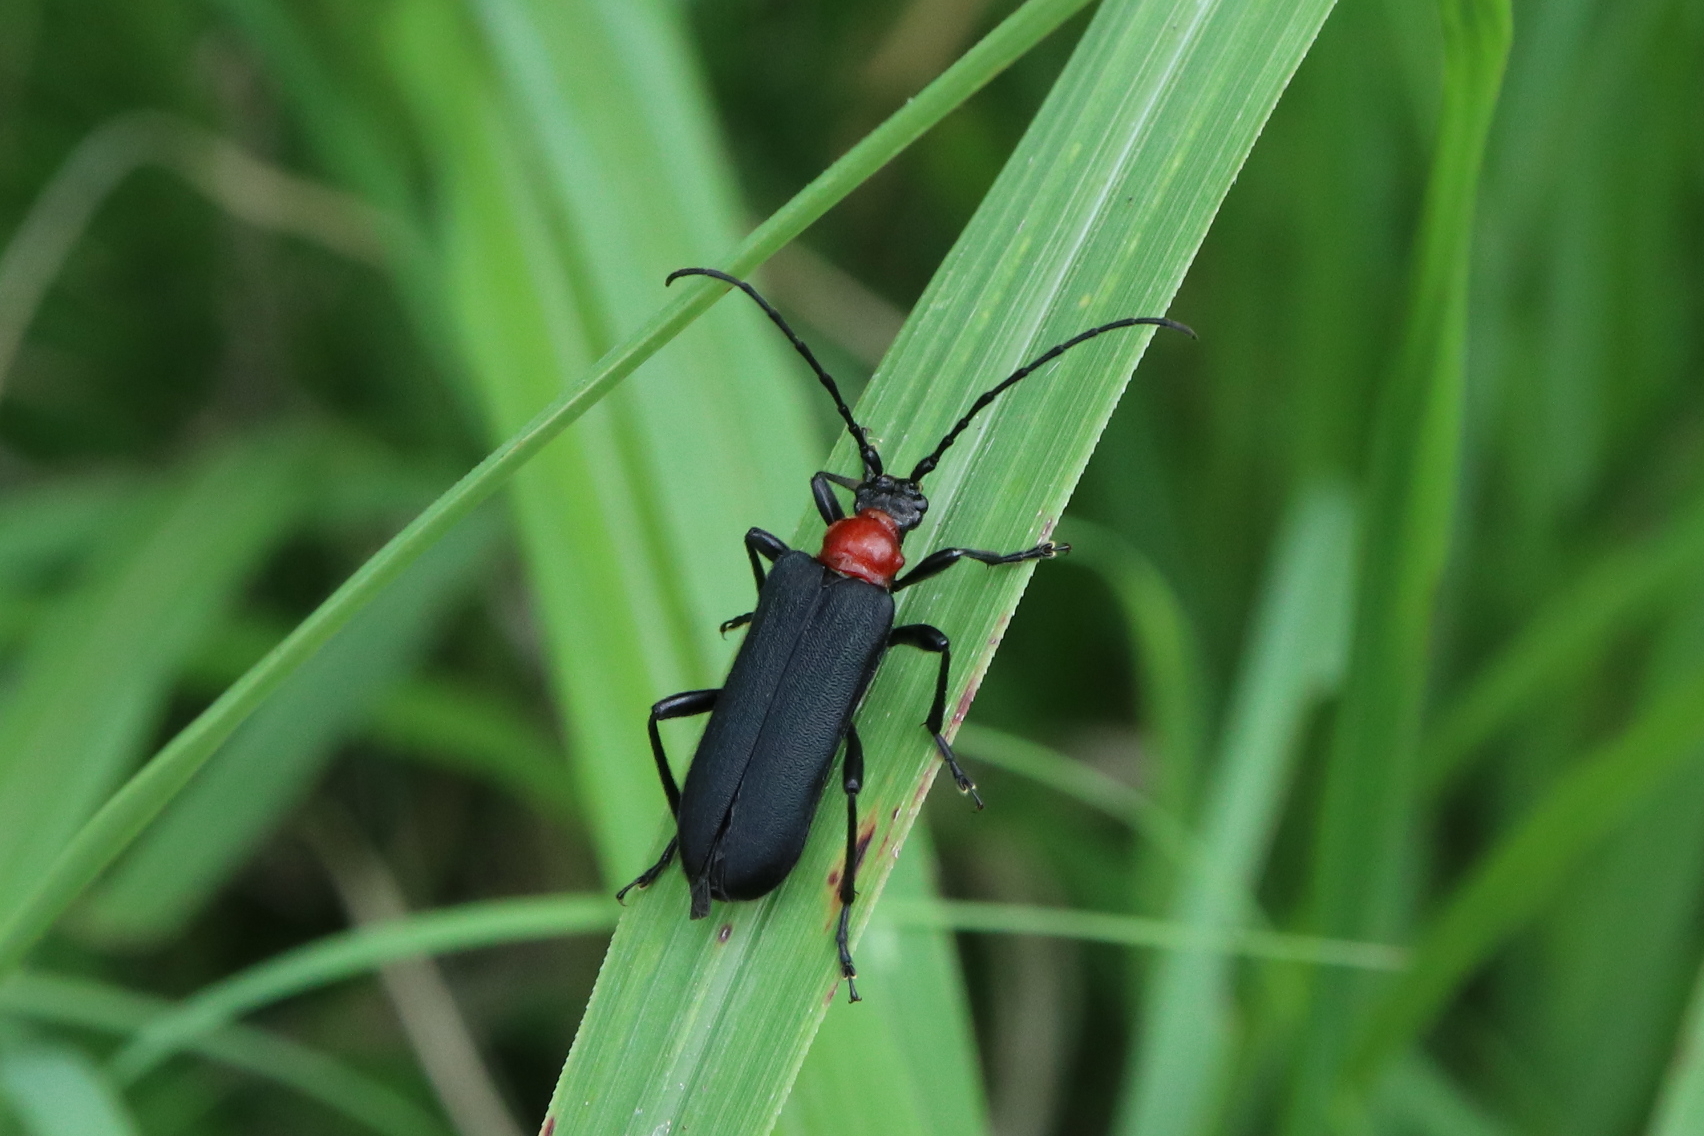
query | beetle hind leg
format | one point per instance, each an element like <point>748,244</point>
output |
<point>933,639</point>
<point>682,705</point>
<point>649,875</point>
<point>852,779</point>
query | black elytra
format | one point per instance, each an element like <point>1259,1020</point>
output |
<point>820,629</point>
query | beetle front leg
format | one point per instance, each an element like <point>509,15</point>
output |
<point>822,492</point>
<point>933,639</point>
<point>937,562</point>
<point>765,544</point>
<point>683,705</point>
<point>852,779</point>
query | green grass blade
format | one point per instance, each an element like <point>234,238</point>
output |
<point>349,953</point>
<point>1616,939</point>
<point>96,674</point>
<point>270,765</point>
<point>43,526</point>
<point>1082,783</point>
<point>441,721</point>
<point>1525,870</point>
<point>1137,931</point>
<point>81,1003</point>
<point>898,1068</point>
<point>479,734</point>
<point>131,809</point>
<point>1567,636</point>
<point>704,1025</point>
<point>1680,1104</point>
<point>592,177</point>
<point>1417,1097</point>
<point>1366,814</point>
<point>1168,650</point>
<point>544,269</point>
<point>57,1091</point>
<point>1294,657</point>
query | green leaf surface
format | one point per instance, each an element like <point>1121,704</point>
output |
<point>1366,819</point>
<point>333,958</point>
<point>1617,938</point>
<point>476,733</point>
<point>1680,1105</point>
<point>43,526</point>
<point>1082,783</point>
<point>906,1063</point>
<point>566,213</point>
<point>1294,657</point>
<point>270,765</point>
<point>1417,1097</point>
<point>85,1004</point>
<point>94,677</point>
<point>704,1024</point>
<point>1526,869</point>
<point>1135,931</point>
<point>1168,651</point>
<point>57,1091</point>
<point>1566,637</point>
<point>436,719</point>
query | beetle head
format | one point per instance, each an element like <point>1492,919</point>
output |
<point>900,498</point>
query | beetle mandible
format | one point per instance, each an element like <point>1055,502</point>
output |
<point>820,628</point>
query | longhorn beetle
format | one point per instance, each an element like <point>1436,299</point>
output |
<point>821,627</point>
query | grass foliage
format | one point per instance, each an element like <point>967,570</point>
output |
<point>1346,778</point>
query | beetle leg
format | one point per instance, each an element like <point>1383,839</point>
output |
<point>765,544</point>
<point>737,621</point>
<point>852,779</point>
<point>927,638</point>
<point>937,562</point>
<point>649,876</point>
<point>683,705</point>
<point>822,492</point>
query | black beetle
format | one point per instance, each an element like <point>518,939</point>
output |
<point>821,627</point>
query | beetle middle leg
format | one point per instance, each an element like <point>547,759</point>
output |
<point>683,705</point>
<point>933,639</point>
<point>852,779</point>
<point>939,561</point>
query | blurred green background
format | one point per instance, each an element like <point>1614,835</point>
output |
<point>277,271</point>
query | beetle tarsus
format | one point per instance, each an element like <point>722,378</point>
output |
<point>649,875</point>
<point>737,621</point>
<point>960,777</point>
<point>847,970</point>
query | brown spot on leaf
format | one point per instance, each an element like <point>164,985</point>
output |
<point>549,1126</point>
<point>865,835</point>
<point>722,935</point>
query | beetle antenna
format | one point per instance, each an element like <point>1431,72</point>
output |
<point>872,460</point>
<point>927,465</point>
